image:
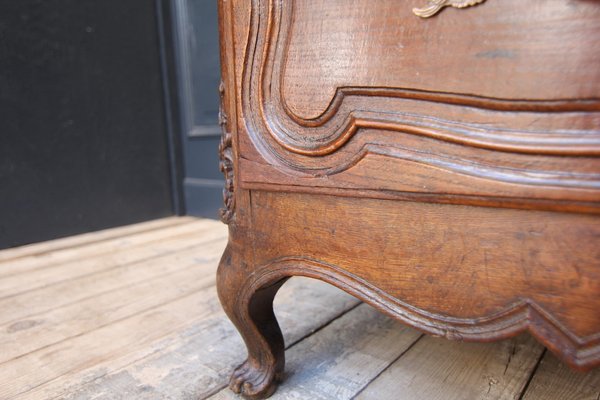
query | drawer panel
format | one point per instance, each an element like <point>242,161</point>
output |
<point>510,49</point>
<point>495,104</point>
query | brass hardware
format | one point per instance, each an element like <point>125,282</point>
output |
<point>435,6</point>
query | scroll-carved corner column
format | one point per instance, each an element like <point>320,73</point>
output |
<point>249,305</point>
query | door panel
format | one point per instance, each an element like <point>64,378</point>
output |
<point>198,76</point>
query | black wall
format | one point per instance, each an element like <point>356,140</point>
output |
<point>83,135</point>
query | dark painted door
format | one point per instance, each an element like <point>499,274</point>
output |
<point>197,66</point>
<point>83,141</point>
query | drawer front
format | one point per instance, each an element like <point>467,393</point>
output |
<point>497,103</point>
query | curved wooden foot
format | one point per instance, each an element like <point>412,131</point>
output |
<point>253,381</point>
<point>251,310</point>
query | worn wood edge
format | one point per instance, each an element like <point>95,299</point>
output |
<point>69,242</point>
<point>523,315</point>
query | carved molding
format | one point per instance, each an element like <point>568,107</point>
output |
<point>226,162</point>
<point>448,165</point>
<point>309,146</point>
<point>522,315</point>
<point>435,6</point>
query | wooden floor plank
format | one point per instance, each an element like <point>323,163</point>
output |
<point>37,249</point>
<point>44,261</point>
<point>93,312</point>
<point>340,360</point>
<point>125,270</point>
<point>81,352</point>
<point>555,380</point>
<point>195,361</point>
<point>137,316</point>
<point>70,269</point>
<point>436,368</point>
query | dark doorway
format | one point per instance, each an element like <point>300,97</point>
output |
<point>196,38</point>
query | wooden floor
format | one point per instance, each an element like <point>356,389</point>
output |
<point>132,313</point>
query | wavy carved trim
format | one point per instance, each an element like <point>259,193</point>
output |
<point>273,127</point>
<point>474,169</point>
<point>522,315</point>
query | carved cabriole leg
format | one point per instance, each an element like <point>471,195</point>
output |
<point>249,305</point>
<point>251,310</point>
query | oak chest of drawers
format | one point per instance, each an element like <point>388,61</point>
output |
<point>440,164</point>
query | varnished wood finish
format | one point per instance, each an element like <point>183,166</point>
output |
<point>445,170</point>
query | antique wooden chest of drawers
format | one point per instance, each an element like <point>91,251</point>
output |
<point>440,164</point>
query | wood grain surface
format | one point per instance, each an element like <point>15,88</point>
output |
<point>444,170</point>
<point>434,369</point>
<point>502,49</point>
<point>553,379</point>
<point>455,133</point>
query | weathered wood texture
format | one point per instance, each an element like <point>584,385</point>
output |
<point>444,170</point>
<point>145,322</point>
<point>52,246</point>
<point>436,370</point>
<point>554,380</point>
<point>141,320</point>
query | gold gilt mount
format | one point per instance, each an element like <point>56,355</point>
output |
<point>434,6</point>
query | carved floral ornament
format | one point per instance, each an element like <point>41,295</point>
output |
<point>434,6</point>
<point>226,161</point>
